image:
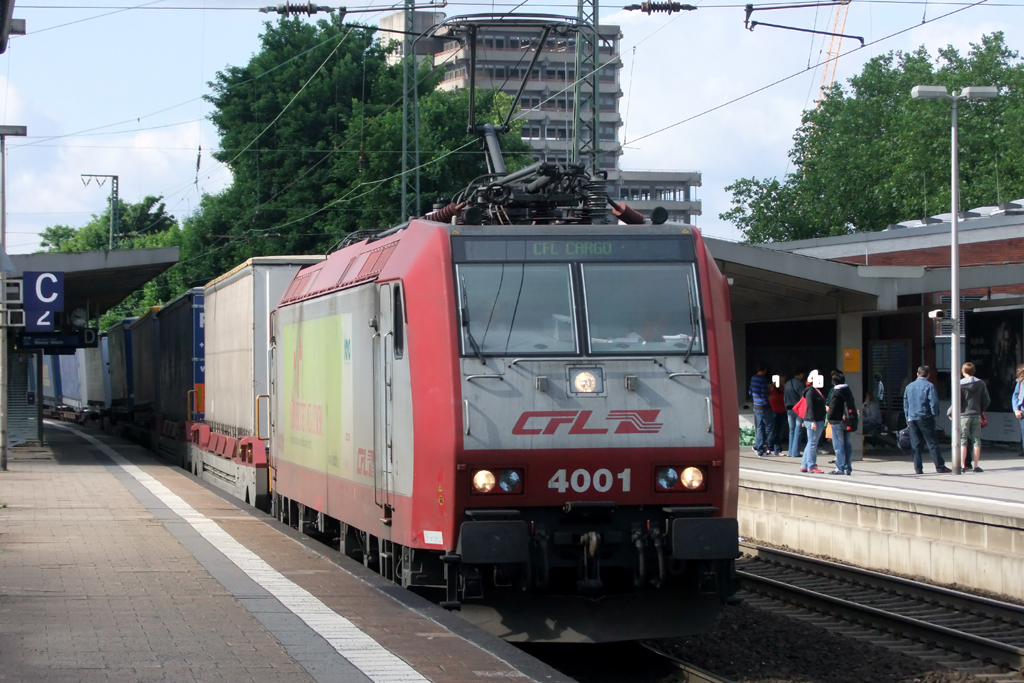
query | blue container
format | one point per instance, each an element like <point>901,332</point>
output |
<point>51,381</point>
<point>70,381</point>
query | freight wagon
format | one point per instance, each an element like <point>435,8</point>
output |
<point>97,380</point>
<point>226,449</point>
<point>51,385</point>
<point>180,368</point>
<point>144,354</point>
<point>122,384</point>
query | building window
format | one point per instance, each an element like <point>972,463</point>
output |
<point>555,133</point>
<point>499,42</point>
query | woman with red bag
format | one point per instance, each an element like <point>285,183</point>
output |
<point>814,410</point>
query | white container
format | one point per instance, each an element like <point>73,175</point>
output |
<point>238,305</point>
<point>95,374</point>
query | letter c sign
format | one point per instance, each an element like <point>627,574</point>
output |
<point>44,291</point>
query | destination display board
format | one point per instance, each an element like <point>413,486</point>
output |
<point>559,248</point>
<point>58,343</point>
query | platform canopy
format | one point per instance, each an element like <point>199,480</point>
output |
<point>770,285</point>
<point>99,280</point>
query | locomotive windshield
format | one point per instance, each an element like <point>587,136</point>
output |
<point>641,308</point>
<point>570,295</point>
<point>517,308</point>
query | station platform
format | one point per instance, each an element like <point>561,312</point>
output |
<point>115,566</point>
<point>962,530</point>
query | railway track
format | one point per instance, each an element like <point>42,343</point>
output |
<point>969,625</point>
<point>692,674</point>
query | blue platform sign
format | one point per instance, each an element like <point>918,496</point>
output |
<point>43,291</point>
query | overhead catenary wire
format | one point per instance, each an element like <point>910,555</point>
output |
<point>515,6</point>
<point>794,75</point>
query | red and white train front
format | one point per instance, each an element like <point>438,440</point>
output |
<point>546,417</point>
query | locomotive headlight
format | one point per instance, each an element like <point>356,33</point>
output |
<point>585,382</point>
<point>667,478</point>
<point>693,478</point>
<point>509,481</point>
<point>483,481</point>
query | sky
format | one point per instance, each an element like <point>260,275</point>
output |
<point>107,90</point>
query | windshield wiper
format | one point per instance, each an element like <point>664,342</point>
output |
<point>465,322</point>
<point>693,326</point>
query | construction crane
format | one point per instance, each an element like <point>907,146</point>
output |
<point>834,45</point>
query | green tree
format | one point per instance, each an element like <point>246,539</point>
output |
<point>869,155</point>
<point>311,131</point>
<point>145,224</point>
<point>55,237</point>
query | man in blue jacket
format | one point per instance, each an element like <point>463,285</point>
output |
<point>921,405</point>
<point>764,417</point>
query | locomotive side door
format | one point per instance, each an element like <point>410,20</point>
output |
<point>384,342</point>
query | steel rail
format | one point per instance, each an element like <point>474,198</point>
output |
<point>894,584</point>
<point>692,673</point>
<point>1006,617</point>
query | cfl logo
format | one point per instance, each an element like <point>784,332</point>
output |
<point>578,422</point>
<point>636,421</point>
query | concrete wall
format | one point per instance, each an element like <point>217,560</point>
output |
<point>945,546</point>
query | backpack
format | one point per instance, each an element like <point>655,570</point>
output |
<point>903,439</point>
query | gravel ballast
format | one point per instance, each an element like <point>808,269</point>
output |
<point>750,645</point>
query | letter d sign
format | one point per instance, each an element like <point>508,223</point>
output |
<point>43,291</point>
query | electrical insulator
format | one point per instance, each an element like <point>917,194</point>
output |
<point>288,8</point>
<point>667,7</point>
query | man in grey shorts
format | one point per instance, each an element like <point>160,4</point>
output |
<point>974,401</point>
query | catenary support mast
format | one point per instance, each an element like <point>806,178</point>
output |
<point>410,120</point>
<point>586,91</point>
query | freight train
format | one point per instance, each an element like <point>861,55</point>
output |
<point>510,405</point>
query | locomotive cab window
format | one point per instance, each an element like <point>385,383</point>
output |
<point>398,311</point>
<point>516,309</point>
<point>642,308</point>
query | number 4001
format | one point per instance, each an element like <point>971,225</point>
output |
<point>581,480</point>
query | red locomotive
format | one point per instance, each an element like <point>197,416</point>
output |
<point>538,423</point>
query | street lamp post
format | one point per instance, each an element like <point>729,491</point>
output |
<point>938,92</point>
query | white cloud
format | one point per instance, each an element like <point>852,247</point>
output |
<point>45,185</point>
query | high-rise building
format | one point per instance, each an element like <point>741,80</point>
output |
<point>502,57</point>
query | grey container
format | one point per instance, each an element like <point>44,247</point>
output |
<point>144,354</point>
<point>119,345</point>
<point>180,365</point>
<point>238,306</point>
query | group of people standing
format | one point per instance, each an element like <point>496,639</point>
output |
<point>799,403</point>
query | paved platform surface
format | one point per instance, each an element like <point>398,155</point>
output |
<point>997,490</point>
<point>115,566</point>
